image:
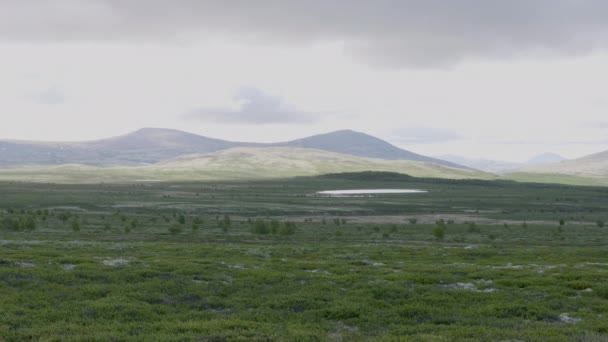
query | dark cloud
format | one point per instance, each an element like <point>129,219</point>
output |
<point>254,107</point>
<point>50,96</point>
<point>394,33</point>
<point>423,135</point>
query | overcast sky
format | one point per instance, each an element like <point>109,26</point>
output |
<point>477,78</point>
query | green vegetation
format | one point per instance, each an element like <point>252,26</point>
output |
<point>270,260</point>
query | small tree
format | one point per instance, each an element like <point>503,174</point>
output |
<point>600,223</point>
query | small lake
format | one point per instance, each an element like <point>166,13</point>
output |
<point>356,192</point>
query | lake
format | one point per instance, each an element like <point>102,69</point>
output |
<point>355,192</point>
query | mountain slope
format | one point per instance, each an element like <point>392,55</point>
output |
<point>151,145</point>
<point>238,163</point>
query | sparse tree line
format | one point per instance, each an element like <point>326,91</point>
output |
<point>29,220</point>
<point>274,227</point>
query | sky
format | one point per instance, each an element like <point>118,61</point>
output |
<point>477,78</point>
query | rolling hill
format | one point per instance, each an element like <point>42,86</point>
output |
<point>238,163</point>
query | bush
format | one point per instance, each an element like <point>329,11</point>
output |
<point>473,228</point>
<point>287,228</point>
<point>224,223</point>
<point>260,227</point>
<point>274,226</point>
<point>175,229</point>
<point>75,226</point>
<point>600,223</point>
<point>439,232</point>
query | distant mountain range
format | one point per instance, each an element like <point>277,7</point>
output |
<point>594,166</point>
<point>152,145</point>
<point>166,154</point>
<point>500,167</point>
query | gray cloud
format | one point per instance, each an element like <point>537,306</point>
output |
<point>50,96</point>
<point>393,33</point>
<point>254,107</point>
<point>598,124</point>
<point>423,135</point>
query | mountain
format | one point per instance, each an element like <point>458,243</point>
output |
<point>360,144</point>
<point>545,158</point>
<point>152,145</point>
<point>238,163</point>
<point>594,166</point>
<point>500,167</point>
<point>588,170</point>
<point>488,165</point>
<point>145,146</point>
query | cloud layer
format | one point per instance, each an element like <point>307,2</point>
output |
<point>253,107</point>
<point>393,33</point>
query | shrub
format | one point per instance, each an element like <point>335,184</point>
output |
<point>439,232</point>
<point>274,226</point>
<point>260,227</point>
<point>473,228</point>
<point>287,228</point>
<point>75,226</point>
<point>175,229</point>
<point>224,223</point>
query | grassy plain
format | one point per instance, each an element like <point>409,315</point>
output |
<point>186,261</point>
